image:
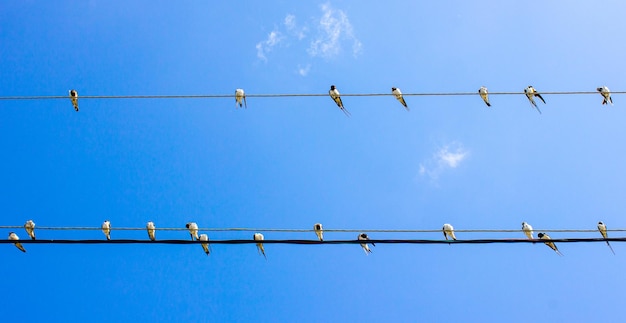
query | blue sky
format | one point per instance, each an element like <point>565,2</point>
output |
<point>291,162</point>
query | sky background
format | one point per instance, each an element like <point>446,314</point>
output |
<point>291,162</point>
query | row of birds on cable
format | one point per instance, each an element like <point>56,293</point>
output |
<point>192,227</point>
<point>530,91</point>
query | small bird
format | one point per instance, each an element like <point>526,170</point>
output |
<point>259,245</point>
<point>448,231</point>
<point>193,229</point>
<point>14,237</point>
<point>30,228</point>
<point>484,94</point>
<point>366,248</point>
<point>205,246</point>
<point>151,230</point>
<point>602,229</point>
<point>544,236</point>
<point>334,94</point>
<point>530,93</point>
<point>606,94</point>
<point>74,98</point>
<point>396,91</point>
<point>239,96</point>
<point>106,229</point>
<point>528,230</point>
<point>317,227</point>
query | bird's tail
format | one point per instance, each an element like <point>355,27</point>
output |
<point>536,107</point>
<point>608,244</point>
<point>488,104</point>
<point>347,113</point>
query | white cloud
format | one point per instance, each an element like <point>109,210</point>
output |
<point>447,157</point>
<point>266,46</point>
<point>303,71</point>
<point>328,35</point>
<point>290,22</point>
<point>293,28</point>
<point>334,27</point>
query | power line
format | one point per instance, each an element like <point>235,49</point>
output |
<point>232,96</point>
<point>307,230</point>
<point>317,242</point>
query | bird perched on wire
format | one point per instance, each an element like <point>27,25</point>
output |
<point>259,245</point>
<point>193,229</point>
<point>544,236</point>
<point>317,227</point>
<point>106,229</point>
<point>484,94</point>
<point>602,229</point>
<point>205,246</point>
<point>29,226</point>
<point>240,96</point>
<point>151,230</point>
<point>528,230</point>
<point>74,98</point>
<point>606,94</point>
<point>14,237</point>
<point>366,248</point>
<point>334,94</point>
<point>530,94</point>
<point>398,94</point>
<point>448,231</point>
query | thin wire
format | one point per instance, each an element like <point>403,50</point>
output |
<point>216,96</point>
<point>317,242</point>
<point>307,230</point>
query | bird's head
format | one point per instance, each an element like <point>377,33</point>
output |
<point>540,235</point>
<point>332,87</point>
<point>393,89</point>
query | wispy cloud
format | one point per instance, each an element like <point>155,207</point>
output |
<point>334,27</point>
<point>447,157</point>
<point>324,37</point>
<point>266,46</point>
<point>303,71</point>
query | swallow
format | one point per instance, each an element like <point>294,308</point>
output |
<point>528,230</point>
<point>366,248</point>
<point>530,93</point>
<point>259,245</point>
<point>14,237</point>
<point>193,229</point>
<point>106,229</point>
<point>544,236</point>
<point>484,94</point>
<point>74,98</point>
<point>396,91</point>
<point>240,95</point>
<point>606,94</point>
<point>448,231</point>
<point>602,229</point>
<point>151,230</point>
<point>334,94</point>
<point>317,227</point>
<point>30,228</point>
<point>205,246</point>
